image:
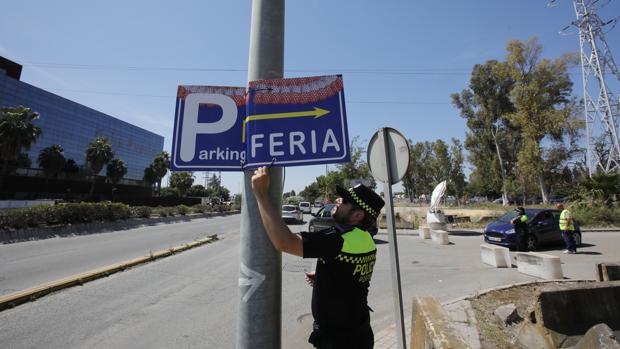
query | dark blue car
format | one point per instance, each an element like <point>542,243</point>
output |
<point>544,225</point>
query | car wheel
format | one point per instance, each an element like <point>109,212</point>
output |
<point>577,239</point>
<point>311,228</point>
<point>531,243</point>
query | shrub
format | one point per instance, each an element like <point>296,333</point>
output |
<point>69,213</point>
<point>182,210</point>
<point>200,208</point>
<point>596,215</point>
<point>166,211</point>
<point>142,211</point>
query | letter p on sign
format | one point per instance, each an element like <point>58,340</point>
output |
<point>192,128</point>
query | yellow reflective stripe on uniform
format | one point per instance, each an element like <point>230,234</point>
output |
<point>358,241</point>
<point>564,225</point>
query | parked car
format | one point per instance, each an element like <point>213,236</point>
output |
<point>323,219</point>
<point>544,226</point>
<point>305,207</point>
<point>292,213</point>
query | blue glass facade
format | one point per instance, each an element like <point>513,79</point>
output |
<point>73,126</point>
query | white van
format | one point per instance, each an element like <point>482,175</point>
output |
<point>305,207</point>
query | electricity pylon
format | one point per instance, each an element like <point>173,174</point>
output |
<point>601,106</point>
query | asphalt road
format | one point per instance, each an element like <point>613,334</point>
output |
<point>27,264</point>
<point>190,300</point>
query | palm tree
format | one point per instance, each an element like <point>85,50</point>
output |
<point>52,161</point>
<point>115,171</point>
<point>149,177</point>
<point>160,166</point>
<point>17,133</point>
<point>98,153</point>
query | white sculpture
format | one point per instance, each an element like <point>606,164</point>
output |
<point>435,219</point>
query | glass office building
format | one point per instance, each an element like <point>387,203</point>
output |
<point>73,125</point>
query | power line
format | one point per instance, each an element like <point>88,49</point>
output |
<point>173,97</point>
<point>367,71</point>
<point>421,71</point>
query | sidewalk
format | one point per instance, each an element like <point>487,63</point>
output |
<point>386,338</point>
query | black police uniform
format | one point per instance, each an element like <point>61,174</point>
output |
<point>346,257</point>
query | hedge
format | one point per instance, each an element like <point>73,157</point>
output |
<point>86,212</point>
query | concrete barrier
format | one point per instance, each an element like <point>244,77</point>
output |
<point>608,271</point>
<point>573,311</point>
<point>496,256</point>
<point>541,265</point>
<point>425,232</point>
<point>440,237</point>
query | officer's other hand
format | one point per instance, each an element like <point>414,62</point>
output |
<point>260,181</point>
<point>310,278</point>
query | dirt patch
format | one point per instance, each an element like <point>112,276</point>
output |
<point>493,335</point>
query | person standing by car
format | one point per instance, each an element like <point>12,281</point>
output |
<point>568,228</point>
<point>346,256</point>
<point>521,228</point>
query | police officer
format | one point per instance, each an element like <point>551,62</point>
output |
<point>521,228</point>
<point>346,256</point>
<point>567,228</point>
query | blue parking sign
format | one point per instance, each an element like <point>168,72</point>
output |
<point>298,121</point>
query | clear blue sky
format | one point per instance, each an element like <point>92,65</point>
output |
<point>400,60</point>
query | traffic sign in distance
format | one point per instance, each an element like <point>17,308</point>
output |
<point>388,155</point>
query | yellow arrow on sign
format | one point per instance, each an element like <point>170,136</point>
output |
<point>316,113</point>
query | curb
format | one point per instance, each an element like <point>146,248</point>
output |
<point>33,293</point>
<point>517,284</point>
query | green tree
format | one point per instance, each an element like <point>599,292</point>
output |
<point>601,188</point>
<point>182,181</point>
<point>441,163</point>
<point>197,190</point>
<point>160,166</point>
<point>419,178</point>
<point>98,154</point>
<point>214,183</point>
<point>356,168</point>
<point>150,177</point>
<point>491,139</point>
<point>169,192</point>
<point>311,192</point>
<point>457,182</point>
<point>543,106</point>
<point>115,171</point>
<point>71,167</point>
<point>237,200</point>
<point>17,133</point>
<point>52,160</point>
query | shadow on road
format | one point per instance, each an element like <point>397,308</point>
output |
<point>464,233</point>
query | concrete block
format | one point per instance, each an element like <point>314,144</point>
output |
<point>507,314</point>
<point>574,311</point>
<point>608,271</point>
<point>541,265</point>
<point>425,232</point>
<point>496,256</point>
<point>599,336</point>
<point>440,237</point>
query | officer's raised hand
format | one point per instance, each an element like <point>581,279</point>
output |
<point>260,181</point>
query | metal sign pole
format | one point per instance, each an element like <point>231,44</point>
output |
<point>391,226</point>
<point>260,276</point>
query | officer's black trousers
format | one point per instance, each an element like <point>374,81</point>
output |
<point>362,338</point>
